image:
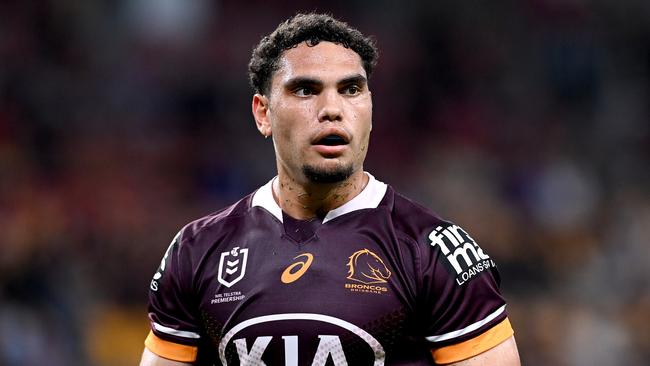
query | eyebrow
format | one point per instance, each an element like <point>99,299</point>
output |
<point>305,80</point>
<point>302,81</point>
<point>355,79</point>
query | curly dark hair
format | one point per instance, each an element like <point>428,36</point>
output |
<point>311,28</point>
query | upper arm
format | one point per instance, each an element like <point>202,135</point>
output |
<point>175,331</point>
<point>151,359</point>
<point>464,312</point>
<point>504,354</point>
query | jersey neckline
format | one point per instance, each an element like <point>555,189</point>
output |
<point>369,197</point>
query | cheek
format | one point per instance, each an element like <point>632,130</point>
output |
<point>362,111</point>
<point>365,126</point>
<point>291,120</point>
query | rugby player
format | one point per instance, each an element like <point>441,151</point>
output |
<point>324,264</point>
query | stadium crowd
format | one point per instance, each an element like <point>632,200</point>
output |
<point>526,122</point>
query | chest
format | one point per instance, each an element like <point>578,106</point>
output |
<point>345,293</point>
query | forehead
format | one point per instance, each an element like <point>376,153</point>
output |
<point>325,61</point>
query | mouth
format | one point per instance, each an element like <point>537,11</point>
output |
<point>331,137</point>
<point>331,140</point>
<point>331,144</point>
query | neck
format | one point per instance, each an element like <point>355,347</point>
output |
<point>304,201</point>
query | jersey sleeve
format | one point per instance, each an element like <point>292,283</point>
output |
<point>464,311</point>
<point>175,332</point>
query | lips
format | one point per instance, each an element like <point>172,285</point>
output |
<point>331,137</point>
<point>331,140</point>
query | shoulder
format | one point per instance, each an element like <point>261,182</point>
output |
<point>425,227</point>
<point>220,221</point>
<point>434,236</point>
<point>411,219</point>
<point>441,241</point>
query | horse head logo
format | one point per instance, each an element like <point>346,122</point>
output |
<point>366,267</point>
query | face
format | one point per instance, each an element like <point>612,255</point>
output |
<point>319,113</point>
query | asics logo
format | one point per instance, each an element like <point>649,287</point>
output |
<point>296,270</point>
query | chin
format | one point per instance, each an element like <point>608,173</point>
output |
<point>320,174</point>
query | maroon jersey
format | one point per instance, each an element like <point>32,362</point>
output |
<point>379,280</point>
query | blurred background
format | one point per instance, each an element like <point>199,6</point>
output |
<point>525,122</point>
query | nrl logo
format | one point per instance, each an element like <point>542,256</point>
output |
<point>366,267</point>
<point>232,266</point>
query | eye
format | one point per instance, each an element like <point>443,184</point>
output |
<point>303,91</point>
<point>352,89</point>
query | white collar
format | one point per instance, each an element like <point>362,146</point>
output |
<point>369,197</point>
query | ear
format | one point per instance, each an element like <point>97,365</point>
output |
<point>260,108</point>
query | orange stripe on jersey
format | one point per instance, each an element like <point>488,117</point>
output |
<point>472,347</point>
<point>170,350</point>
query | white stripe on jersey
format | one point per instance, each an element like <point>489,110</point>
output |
<point>369,197</point>
<point>470,328</point>
<point>175,332</point>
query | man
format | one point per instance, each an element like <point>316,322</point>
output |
<point>324,265</point>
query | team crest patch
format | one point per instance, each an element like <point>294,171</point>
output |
<point>369,271</point>
<point>232,266</point>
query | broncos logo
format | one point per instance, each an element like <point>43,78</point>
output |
<point>366,267</point>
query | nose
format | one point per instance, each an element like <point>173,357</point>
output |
<point>330,108</point>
